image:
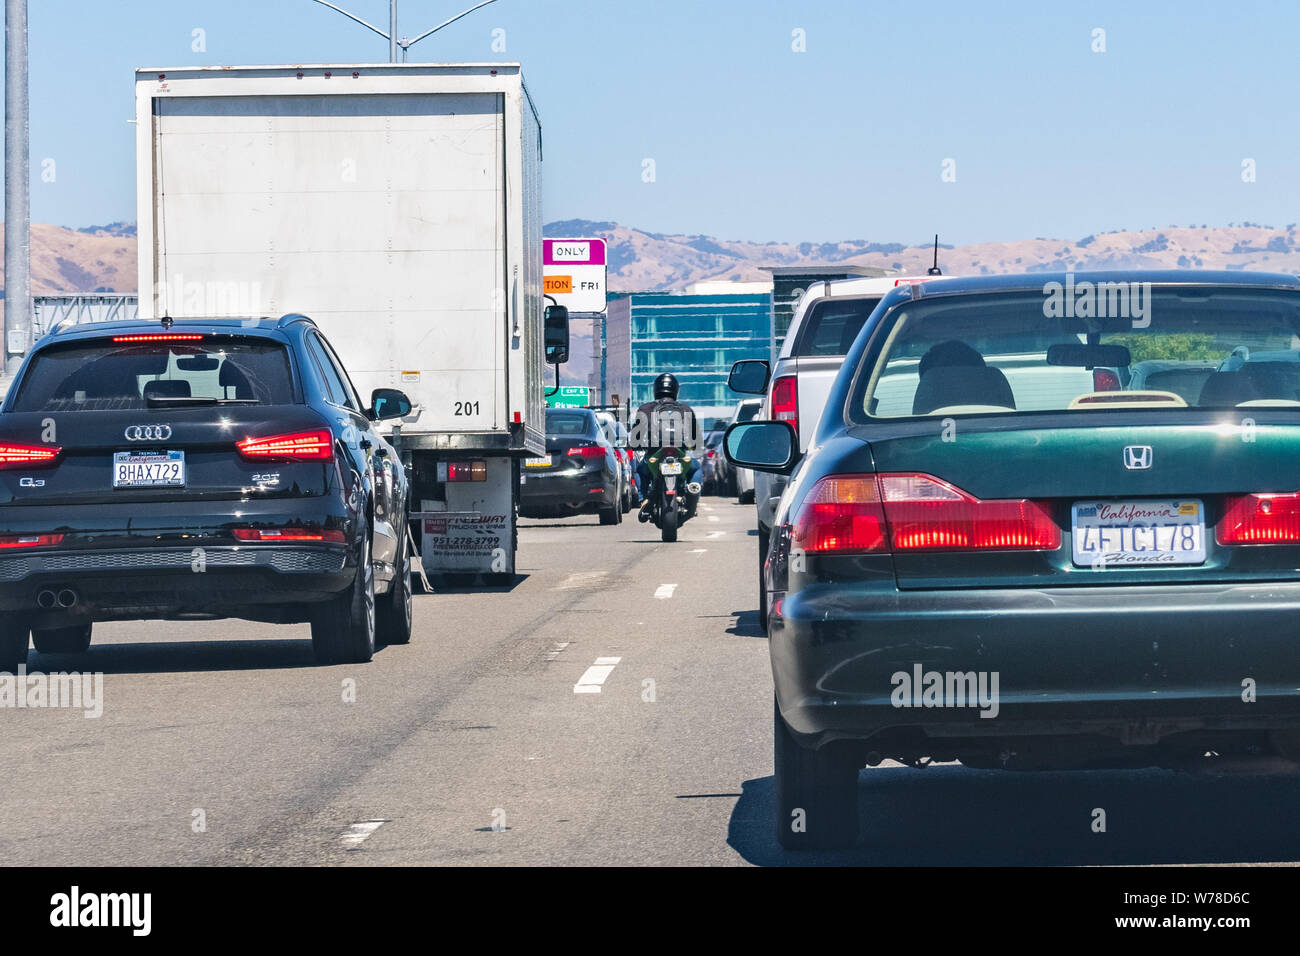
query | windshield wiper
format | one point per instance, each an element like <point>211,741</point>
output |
<point>155,401</point>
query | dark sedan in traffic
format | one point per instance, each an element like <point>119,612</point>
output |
<point>579,474</point>
<point>993,554</point>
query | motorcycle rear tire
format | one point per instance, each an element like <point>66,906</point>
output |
<point>668,524</point>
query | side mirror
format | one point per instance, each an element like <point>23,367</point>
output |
<point>556,337</point>
<point>762,446</point>
<point>388,403</point>
<point>749,376</point>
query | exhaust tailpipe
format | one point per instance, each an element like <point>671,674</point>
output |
<point>67,597</point>
<point>46,598</point>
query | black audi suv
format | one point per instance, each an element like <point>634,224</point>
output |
<point>191,469</point>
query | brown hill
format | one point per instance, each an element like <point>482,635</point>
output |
<point>68,260</point>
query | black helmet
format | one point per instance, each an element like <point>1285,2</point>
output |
<point>666,386</point>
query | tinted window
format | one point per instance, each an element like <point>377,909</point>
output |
<point>571,423</point>
<point>104,374</point>
<point>338,391</point>
<point>832,324</point>
<point>749,412</point>
<point>353,399</point>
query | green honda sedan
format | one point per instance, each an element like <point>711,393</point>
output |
<point>1006,548</point>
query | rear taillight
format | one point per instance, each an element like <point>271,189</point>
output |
<point>1104,380</point>
<point>785,401</point>
<point>916,512</point>
<point>27,456</point>
<point>29,540</point>
<point>587,451</point>
<point>462,471</point>
<point>1260,519</point>
<point>303,446</point>
<point>282,535</point>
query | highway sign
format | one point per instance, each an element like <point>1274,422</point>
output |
<point>574,273</point>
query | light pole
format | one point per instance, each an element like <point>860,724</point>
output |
<point>391,36</point>
<point>18,308</point>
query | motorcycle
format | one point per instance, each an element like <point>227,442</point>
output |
<point>669,509</point>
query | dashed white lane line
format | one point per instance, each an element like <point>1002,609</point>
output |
<point>715,534</point>
<point>358,833</point>
<point>714,518</point>
<point>581,580</point>
<point>697,551</point>
<point>665,591</point>
<point>595,675</point>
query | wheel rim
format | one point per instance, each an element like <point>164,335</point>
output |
<point>368,597</point>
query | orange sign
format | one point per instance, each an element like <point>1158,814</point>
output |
<point>556,285</point>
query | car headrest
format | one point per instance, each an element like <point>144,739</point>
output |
<point>952,352</point>
<point>945,385</point>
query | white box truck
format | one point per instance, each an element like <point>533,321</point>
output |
<point>398,206</point>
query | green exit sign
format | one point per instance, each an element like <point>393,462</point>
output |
<point>569,396</point>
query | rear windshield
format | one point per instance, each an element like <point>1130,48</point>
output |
<point>832,324</point>
<point>570,423</point>
<point>1101,348</point>
<point>105,375</point>
<point>749,412</point>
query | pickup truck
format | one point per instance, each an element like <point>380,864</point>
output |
<point>825,323</point>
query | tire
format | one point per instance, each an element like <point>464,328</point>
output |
<point>611,515</point>
<point>764,538</point>
<point>816,792</point>
<point>343,628</point>
<point>74,639</point>
<point>668,524</point>
<point>15,636</point>
<point>393,611</point>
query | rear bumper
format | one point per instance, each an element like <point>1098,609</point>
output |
<point>571,491</point>
<point>161,582</point>
<point>1134,664</point>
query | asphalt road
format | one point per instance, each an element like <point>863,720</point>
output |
<point>222,743</point>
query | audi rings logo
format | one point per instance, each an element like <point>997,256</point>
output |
<point>148,432</point>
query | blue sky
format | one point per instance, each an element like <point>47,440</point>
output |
<point>752,140</point>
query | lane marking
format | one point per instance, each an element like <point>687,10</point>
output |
<point>580,580</point>
<point>714,518</point>
<point>358,833</point>
<point>697,551</point>
<point>559,646</point>
<point>715,534</point>
<point>595,675</point>
<point>665,591</point>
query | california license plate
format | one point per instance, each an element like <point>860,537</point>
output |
<point>671,468</point>
<point>1138,533</point>
<point>132,469</point>
<point>542,462</point>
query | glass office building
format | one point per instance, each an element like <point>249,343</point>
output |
<point>696,337</point>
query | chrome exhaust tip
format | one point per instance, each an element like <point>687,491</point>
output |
<point>46,598</point>
<point>67,597</point>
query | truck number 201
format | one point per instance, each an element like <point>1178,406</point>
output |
<point>467,408</point>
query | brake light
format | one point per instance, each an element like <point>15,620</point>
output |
<point>842,513</point>
<point>925,513</point>
<point>1105,380</point>
<point>462,471</point>
<point>288,534</point>
<point>588,451</point>
<point>1260,519</point>
<point>916,512</point>
<point>29,540</point>
<point>19,456</point>
<point>785,401</point>
<point>158,337</point>
<point>306,446</point>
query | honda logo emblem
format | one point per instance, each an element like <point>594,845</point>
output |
<point>148,432</point>
<point>1137,457</point>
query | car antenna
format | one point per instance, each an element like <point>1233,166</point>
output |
<point>166,321</point>
<point>934,270</point>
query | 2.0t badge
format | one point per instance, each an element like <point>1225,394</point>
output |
<point>148,432</point>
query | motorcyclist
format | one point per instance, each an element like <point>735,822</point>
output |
<point>666,423</point>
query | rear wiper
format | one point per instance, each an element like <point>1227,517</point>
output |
<point>164,402</point>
